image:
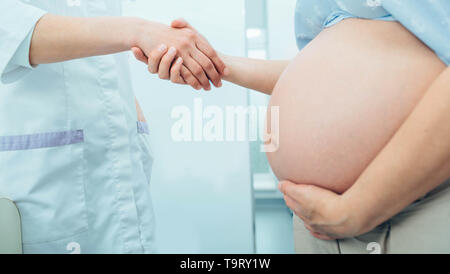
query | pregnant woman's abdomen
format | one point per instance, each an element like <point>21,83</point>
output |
<point>342,99</point>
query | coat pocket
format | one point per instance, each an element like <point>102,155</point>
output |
<point>44,175</point>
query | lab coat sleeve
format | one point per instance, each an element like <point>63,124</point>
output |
<point>429,20</point>
<point>17,23</point>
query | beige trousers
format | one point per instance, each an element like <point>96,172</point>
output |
<point>423,227</point>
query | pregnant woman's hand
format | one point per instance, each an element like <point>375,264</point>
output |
<point>324,212</point>
<point>199,60</point>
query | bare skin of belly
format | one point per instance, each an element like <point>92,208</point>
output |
<point>343,97</point>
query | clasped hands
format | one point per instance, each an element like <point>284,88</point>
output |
<point>184,57</point>
<point>190,60</point>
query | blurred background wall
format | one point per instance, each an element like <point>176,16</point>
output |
<point>215,197</point>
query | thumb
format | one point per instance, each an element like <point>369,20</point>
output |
<point>181,23</point>
<point>139,55</point>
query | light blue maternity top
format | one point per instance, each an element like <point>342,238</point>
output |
<point>429,20</point>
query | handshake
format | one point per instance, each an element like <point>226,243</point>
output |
<point>182,56</point>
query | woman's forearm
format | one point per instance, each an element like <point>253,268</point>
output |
<point>414,162</point>
<point>60,38</point>
<point>260,75</point>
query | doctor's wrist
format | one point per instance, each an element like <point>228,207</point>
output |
<point>136,28</point>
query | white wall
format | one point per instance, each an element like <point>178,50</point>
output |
<point>201,191</point>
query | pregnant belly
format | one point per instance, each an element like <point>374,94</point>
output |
<point>343,97</point>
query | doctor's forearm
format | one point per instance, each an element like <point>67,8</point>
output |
<point>61,38</point>
<point>260,75</point>
<point>416,161</point>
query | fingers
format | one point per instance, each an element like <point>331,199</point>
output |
<point>198,72</point>
<point>321,236</point>
<point>208,68</point>
<point>293,205</point>
<point>293,190</point>
<point>294,195</point>
<point>139,55</point>
<point>207,50</point>
<point>203,46</point>
<point>155,58</point>
<point>161,61</point>
<point>190,79</point>
<point>175,72</point>
<point>317,234</point>
<point>166,64</point>
<point>178,72</point>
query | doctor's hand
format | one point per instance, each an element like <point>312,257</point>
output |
<point>198,62</point>
<point>323,212</point>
